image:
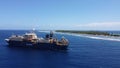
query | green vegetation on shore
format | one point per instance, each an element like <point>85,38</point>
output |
<point>88,32</point>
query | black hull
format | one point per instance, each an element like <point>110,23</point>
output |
<point>37,45</point>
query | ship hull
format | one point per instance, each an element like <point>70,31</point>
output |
<point>36,45</point>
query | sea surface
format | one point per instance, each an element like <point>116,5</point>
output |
<point>83,52</point>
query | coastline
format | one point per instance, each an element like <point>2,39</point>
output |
<point>99,33</point>
<point>100,37</point>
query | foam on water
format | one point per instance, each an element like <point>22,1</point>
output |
<point>105,38</point>
<point>94,36</point>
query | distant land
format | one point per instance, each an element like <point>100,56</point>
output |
<point>89,32</point>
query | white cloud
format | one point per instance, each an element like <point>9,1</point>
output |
<point>100,26</point>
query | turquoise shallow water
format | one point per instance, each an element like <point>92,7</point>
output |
<point>82,52</point>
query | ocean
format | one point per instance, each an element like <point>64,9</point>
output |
<point>83,52</point>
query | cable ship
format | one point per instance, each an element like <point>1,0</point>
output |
<point>31,40</point>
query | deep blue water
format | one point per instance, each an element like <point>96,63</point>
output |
<point>82,53</point>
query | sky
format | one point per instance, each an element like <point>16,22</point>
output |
<point>60,14</point>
